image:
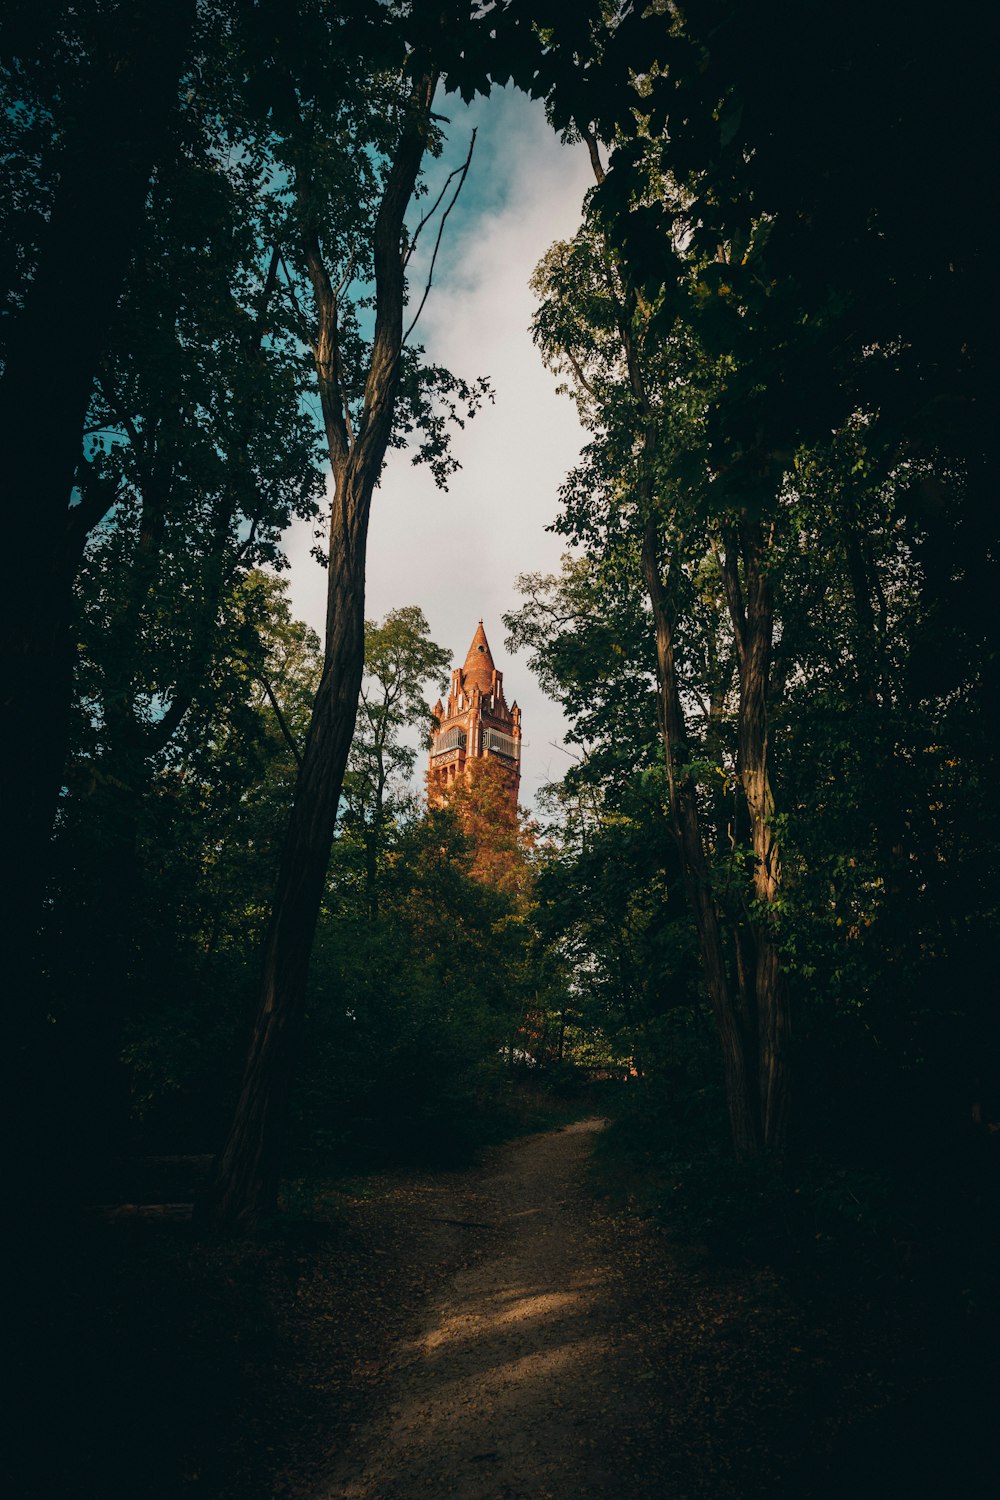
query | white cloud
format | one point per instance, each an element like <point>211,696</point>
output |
<point>457,554</point>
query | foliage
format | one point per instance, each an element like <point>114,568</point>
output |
<point>771,320</point>
<point>200,845</point>
<point>749,366</point>
<point>400,659</point>
<point>410,1009</point>
<point>414,997</point>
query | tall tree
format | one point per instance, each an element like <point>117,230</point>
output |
<point>146,986</point>
<point>735,205</point>
<point>359,404</point>
<point>645,402</point>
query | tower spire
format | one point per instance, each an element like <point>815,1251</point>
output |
<point>479,664</point>
<point>475,724</point>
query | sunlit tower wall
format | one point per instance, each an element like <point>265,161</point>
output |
<point>474,725</point>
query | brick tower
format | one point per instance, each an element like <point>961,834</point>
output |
<point>476,725</point>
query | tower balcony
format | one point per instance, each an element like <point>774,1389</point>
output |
<point>495,742</point>
<point>450,743</point>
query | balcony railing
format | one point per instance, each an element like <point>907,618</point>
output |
<point>500,744</point>
<point>452,739</point>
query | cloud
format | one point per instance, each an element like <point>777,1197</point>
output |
<point>457,554</point>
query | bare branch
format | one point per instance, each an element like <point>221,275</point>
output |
<point>734,595</point>
<point>463,172</point>
<point>295,303</point>
<point>282,724</point>
<point>263,302</point>
<point>326,351</point>
<point>430,213</point>
<point>348,273</point>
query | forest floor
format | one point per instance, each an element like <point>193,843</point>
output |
<point>549,1343</point>
<point>512,1330</point>
<point>524,1335</point>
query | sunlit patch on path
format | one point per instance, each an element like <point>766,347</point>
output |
<point>513,1387</point>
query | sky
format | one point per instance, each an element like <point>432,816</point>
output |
<point>457,554</point>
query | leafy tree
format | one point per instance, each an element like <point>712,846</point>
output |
<point>154,1020</point>
<point>359,385</point>
<point>400,659</point>
<point>80,84</point>
<point>722,312</point>
<point>646,402</point>
<point>197,432</point>
<point>408,1010</point>
<point>839,592</point>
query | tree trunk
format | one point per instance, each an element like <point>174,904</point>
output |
<point>752,609</point>
<point>732,1022</point>
<point>371,873</point>
<point>245,1188</point>
<point>248,1171</point>
<point>731,1026</point>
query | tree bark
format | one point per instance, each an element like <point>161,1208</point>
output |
<point>245,1188</point>
<point>732,1027</point>
<point>751,607</point>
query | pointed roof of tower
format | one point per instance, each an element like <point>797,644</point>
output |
<point>479,665</point>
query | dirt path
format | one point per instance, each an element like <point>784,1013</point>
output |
<point>527,1341</point>
<point>493,1332</point>
<point>522,1383</point>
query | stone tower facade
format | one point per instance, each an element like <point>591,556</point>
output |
<point>475,725</point>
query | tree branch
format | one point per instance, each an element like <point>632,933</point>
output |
<point>295,303</point>
<point>95,502</point>
<point>430,213</point>
<point>578,372</point>
<point>282,724</point>
<point>595,155</point>
<point>729,574</point>
<point>329,371</point>
<point>464,172</point>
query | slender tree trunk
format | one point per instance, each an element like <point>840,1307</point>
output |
<point>731,1026</point>
<point>247,1174</point>
<point>373,840</point>
<point>752,610</point>
<point>734,1036</point>
<point>249,1166</point>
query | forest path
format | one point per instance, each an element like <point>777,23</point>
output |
<point>525,1380</point>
